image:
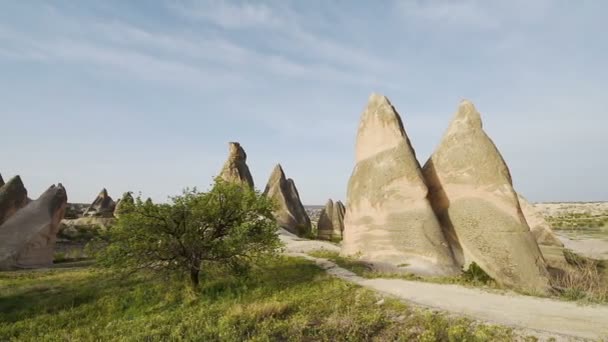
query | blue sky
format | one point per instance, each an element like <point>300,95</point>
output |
<point>144,96</point>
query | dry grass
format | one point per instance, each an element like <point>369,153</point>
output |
<point>584,280</point>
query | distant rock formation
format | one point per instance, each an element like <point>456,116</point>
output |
<point>331,221</point>
<point>389,220</point>
<point>13,196</point>
<point>27,239</point>
<point>235,169</point>
<point>102,206</point>
<point>1,181</point>
<point>127,199</point>
<point>290,213</point>
<point>551,247</point>
<point>75,210</point>
<point>472,193</point>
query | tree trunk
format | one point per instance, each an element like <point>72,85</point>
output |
<point>194,281</point>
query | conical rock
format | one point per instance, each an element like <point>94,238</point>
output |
<point>123,202</point>
<point>13,196</point>
<point>235,168</point>
<point>388,219</point>
<point>27,239</point>
<point>331,221</point>
<point>290,213</point>
<point>472,193</point>
<point>102,206</point>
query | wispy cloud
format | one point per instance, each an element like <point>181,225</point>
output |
<point>230,15</point>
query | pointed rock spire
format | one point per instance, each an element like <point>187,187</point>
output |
<point>290,213</point>
<point>235,169</point>
<point>102,206</point>
<point>125,201</point>
<point>472,193</point>
<point>13,196</point>
<point>1,181</point>
<point>331,221</point>
<point>27,239</point>
<point>389,220</point>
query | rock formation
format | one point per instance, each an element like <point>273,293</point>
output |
<point>389,220</point>
<point>540,228</point>
<point>102,206</point>
<point>331,221</point>
<point>1,181</point>
<point>27,239</point>
<point>290,213</point>
<point>471,192</point>
<point>550,246</point>
<point>13,196</point>
<point>235,169</point>
<point>127,199</point>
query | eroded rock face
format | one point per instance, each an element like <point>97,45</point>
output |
<point>389,220</point>
<point>290,213</point>
<point>13,196</point>
<point>27,239</point>
<point>235,169</point>
<point>127,199</point>
<point>471,192</point>
<point>102,206</point>
<point>331,221</point>
<point>540,228</point>
<point>1,181</point>
<point>551,247</point>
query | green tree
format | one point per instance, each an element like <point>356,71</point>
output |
<point>230,224</point>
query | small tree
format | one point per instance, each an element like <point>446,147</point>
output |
<point>230,224</point>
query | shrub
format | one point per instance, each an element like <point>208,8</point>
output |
<point>230,225</point>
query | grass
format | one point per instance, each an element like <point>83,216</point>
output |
<point>586,281</point>
<point>474,277</point>
<point>287,300</point>
<point>579,221</point>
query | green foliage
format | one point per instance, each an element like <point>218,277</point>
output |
<point>287,299</point>
<point>579,221</point>
<point>230,224</point>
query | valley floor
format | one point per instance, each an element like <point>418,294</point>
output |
<point>542,317</point>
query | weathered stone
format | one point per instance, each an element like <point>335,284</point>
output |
<point>27,239</point>
<point>472,193</point>
<point>126,200</point>
<point>1,181</point>
<point>551,247</point>
<point>13,196</point>
<point>540,228</point>
<point>102,206</point>
<point>235,169</point>
<point>331,221</point>
<point>290,213</point>
<point>389,221</point>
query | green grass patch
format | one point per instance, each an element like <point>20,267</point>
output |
<point>286,300</point>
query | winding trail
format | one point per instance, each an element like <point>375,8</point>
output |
<point>542,317</point>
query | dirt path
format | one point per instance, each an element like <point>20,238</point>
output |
<point>541,316</point>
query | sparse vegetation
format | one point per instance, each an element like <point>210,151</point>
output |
<point>284,300</point>
<point>586,280</point>
<point>569,221</point>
